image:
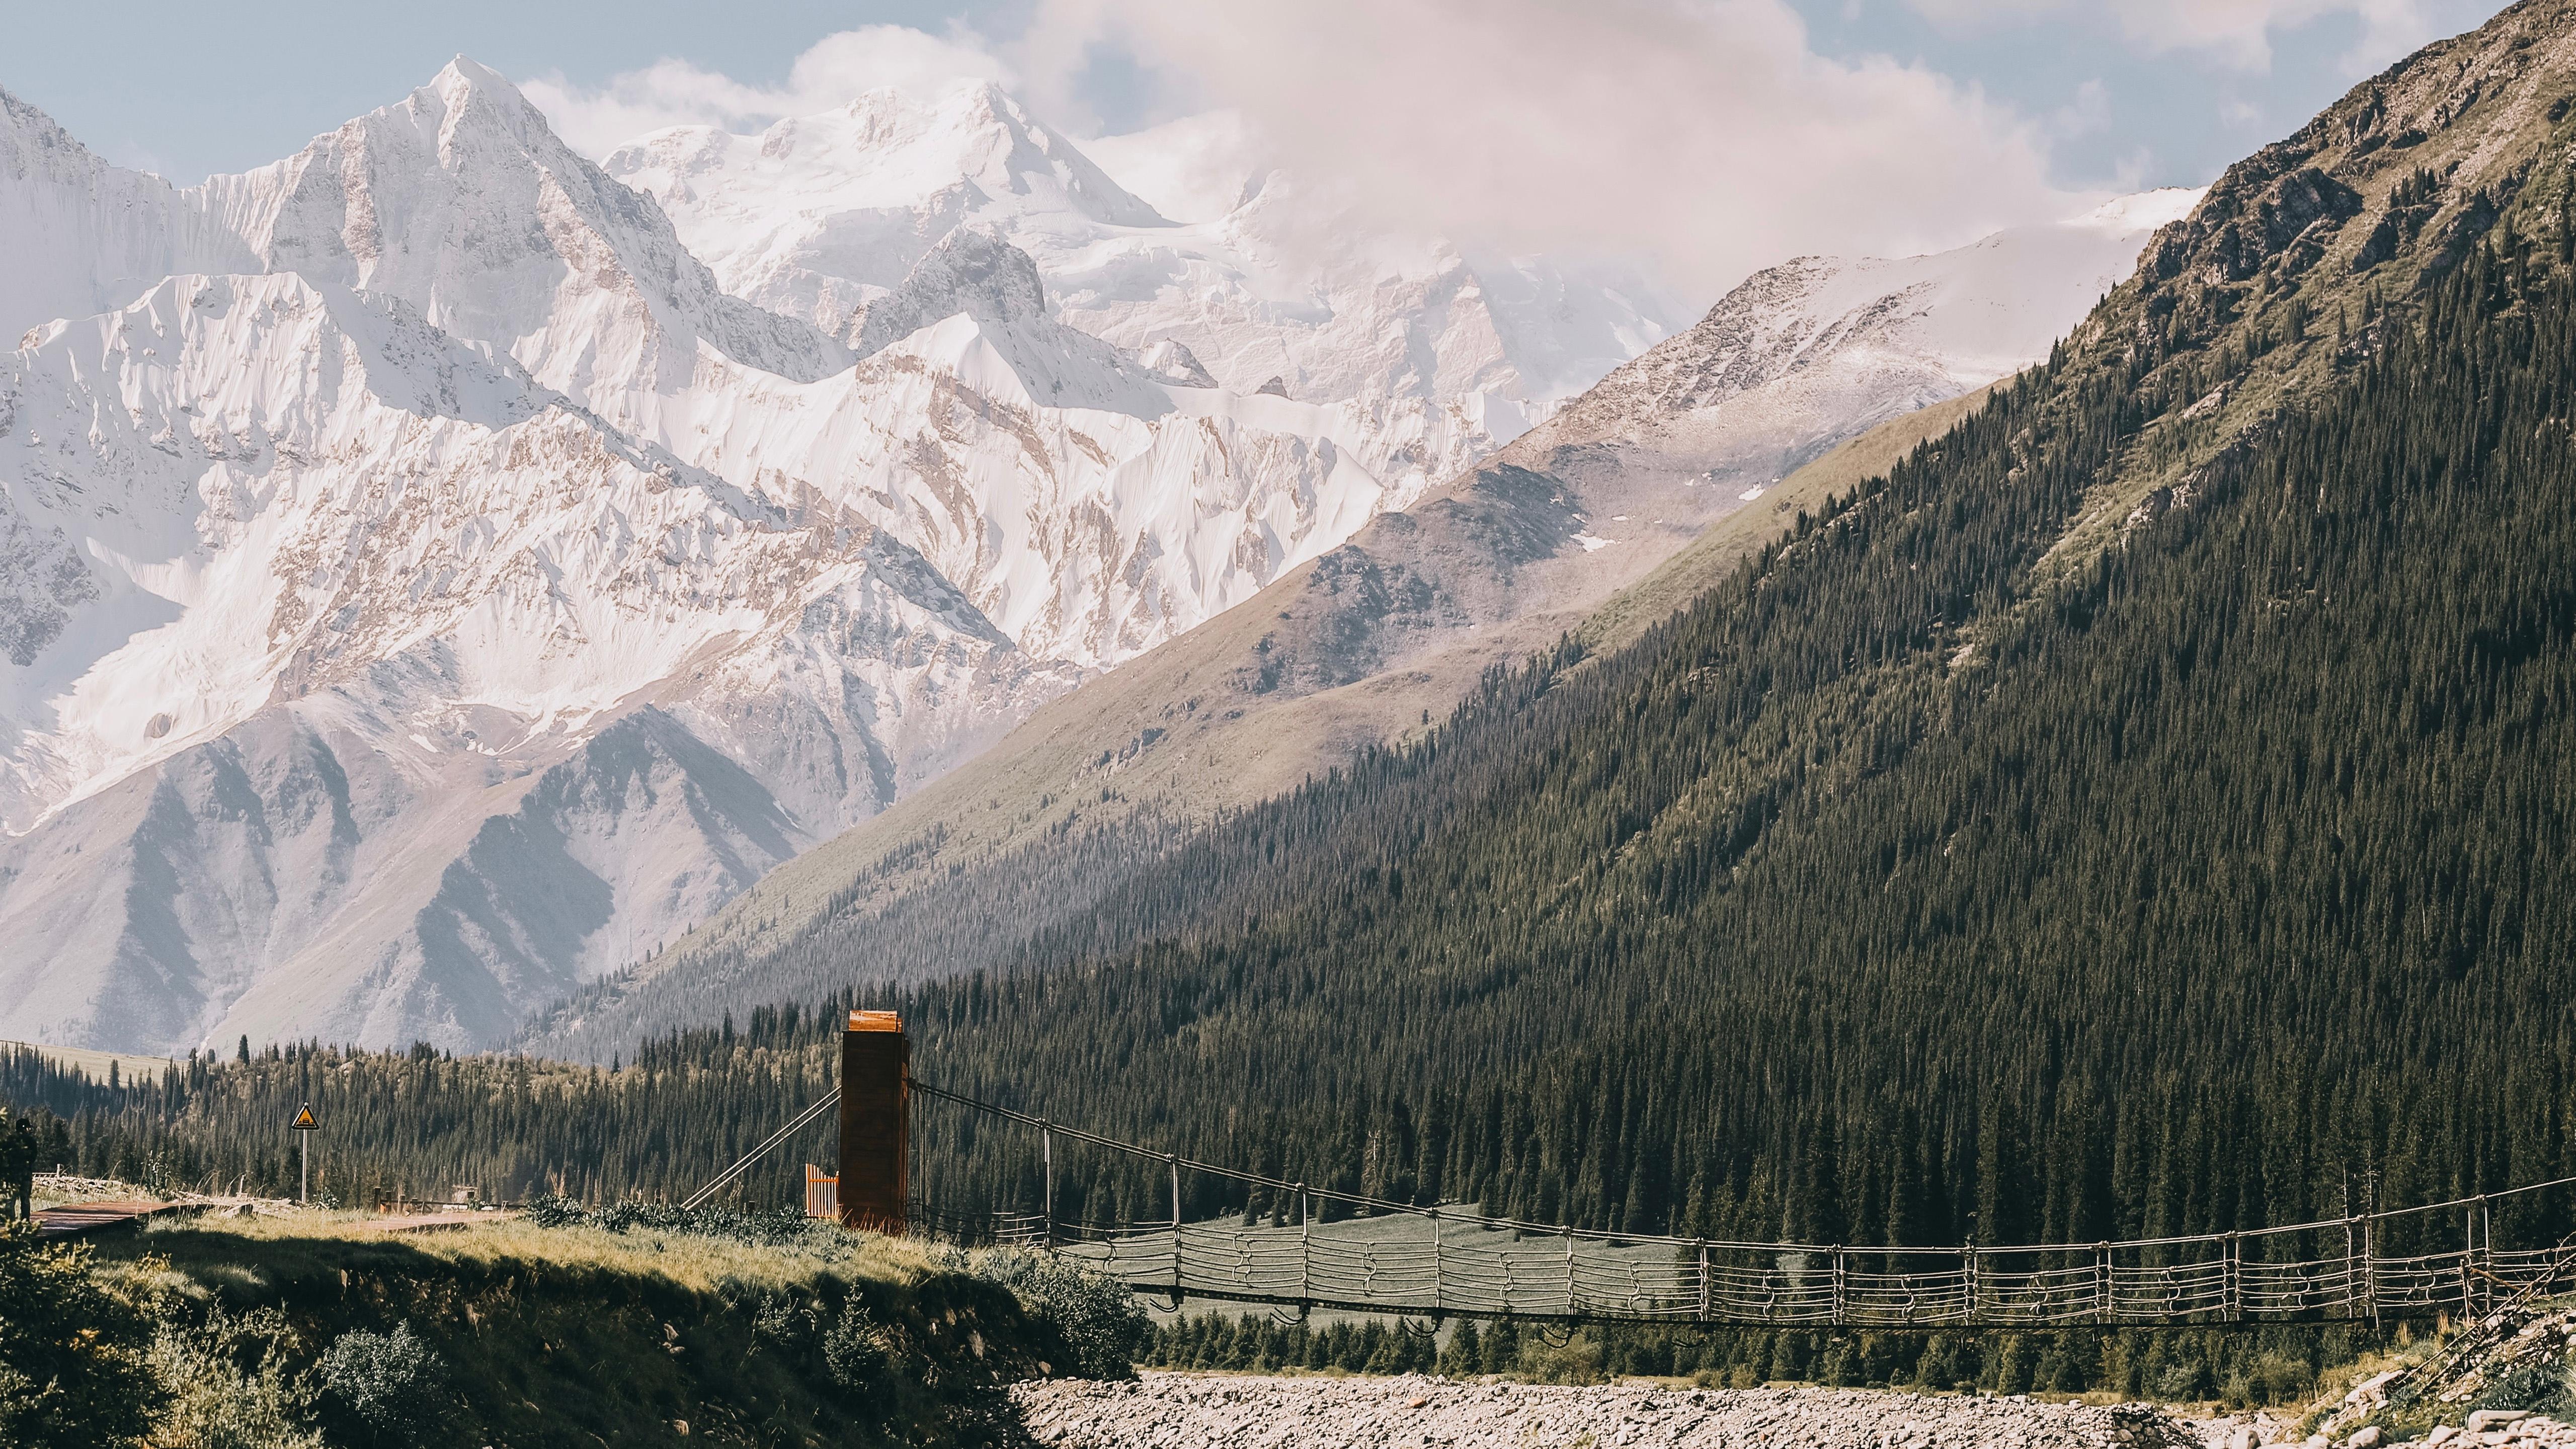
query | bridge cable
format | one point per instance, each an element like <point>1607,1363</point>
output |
<point>717,1183</point>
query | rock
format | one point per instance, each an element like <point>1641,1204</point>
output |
<point>2366,1438</point>
<point>2443,1435</point>
<point>2485,1420</point>
<point>1251,1412</point>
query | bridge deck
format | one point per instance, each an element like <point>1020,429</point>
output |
<point>1416,1264</point>
<point>76,1219</point>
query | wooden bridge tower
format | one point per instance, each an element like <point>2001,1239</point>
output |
<point>876,1078</point>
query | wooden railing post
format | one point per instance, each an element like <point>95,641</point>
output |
<point>1435,1260</point>
<point>2486,1255</point>
<point>1703,1280</point>
<point>1046,1153</point>
<point>1175,1159</point>
<point>1305,1248</point>
<point>2370,1264</point>
<point>1968,1256</point>
<point>1569,1273</point>
<point>2102,1281</point>
<point>1838,1284</point>
<point>2232,1274</point>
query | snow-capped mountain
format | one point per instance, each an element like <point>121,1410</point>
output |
<point>449,498</point>
<point>323,619</point>
<point>1820,347</point>
<point>461,201</point>
<point>1436,359</point>
<point>81,236</point>
<point>430,584</point>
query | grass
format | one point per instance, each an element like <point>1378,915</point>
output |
<point>580,1336</point>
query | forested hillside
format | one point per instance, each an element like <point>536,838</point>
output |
<point>2143,810</point>
<point>1877,898</point>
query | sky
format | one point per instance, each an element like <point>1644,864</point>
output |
<point>1702,137</point>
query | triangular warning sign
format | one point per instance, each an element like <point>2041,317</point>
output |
<point>304,1119</point>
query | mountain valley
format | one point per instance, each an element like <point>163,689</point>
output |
<point>437,589</point>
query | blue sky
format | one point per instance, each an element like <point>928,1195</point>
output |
<point>1926,120</point>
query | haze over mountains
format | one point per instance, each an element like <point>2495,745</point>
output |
<point>443,569</point>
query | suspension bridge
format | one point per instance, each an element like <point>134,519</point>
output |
<point>1321,1248</point>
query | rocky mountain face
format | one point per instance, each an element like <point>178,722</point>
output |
<point>361,684</point>
<point>1696,445</point>
<point>432,588</point>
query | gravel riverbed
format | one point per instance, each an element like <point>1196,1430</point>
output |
<point>1204,1411</point>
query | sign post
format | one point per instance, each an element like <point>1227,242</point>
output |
<point>305,1126</point>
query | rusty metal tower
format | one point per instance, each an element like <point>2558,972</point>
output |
<point>876,1081</point>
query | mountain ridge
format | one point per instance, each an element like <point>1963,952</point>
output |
<point>800,629</point>
<point>1374,639</point>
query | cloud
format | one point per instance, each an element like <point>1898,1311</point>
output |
<point>1703,136</point>
<point>838,68</point>
<point>2236,33</point>
<point>1190,169</point>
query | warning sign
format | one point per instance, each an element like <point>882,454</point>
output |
<point>304,1121</point>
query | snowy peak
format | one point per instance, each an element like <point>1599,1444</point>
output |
<point>817,214</point>
<point>972,148</point>
<point>974,132</point>
<point>975,274</point>
<point>970,271</point>
<point>1915,329</point>
<point>461,201</point>
<point>82,236</point>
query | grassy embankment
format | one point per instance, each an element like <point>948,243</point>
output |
<point>566,1335</point>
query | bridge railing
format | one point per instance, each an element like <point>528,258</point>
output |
<point>1323,1248</point>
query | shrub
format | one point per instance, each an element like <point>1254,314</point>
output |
<point>72,1352</point>
<point>784,1321</point>
<point>228,1384</point>
<point>2540,1386</point>
<point>1576,1359</point>
<point>554,1210</point>
<point>383,1388</point>
<point>765,1226</point>
<point>1103,1328</point>
<point>2182,1379</point>
<point>854,1347</point>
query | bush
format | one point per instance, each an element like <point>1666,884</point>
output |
<point>1574,1360</point>
<point>2182,1380</point>
<point>2540,1386</point>
<point>229,1386</point>
<point>765,1226</point>
<point>554,1210</point>
<point>854,1347</point>
<point>72,1352</point>
<point>383,1388</point>
<point>1103,1328</point>
<point>784,1321</point>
